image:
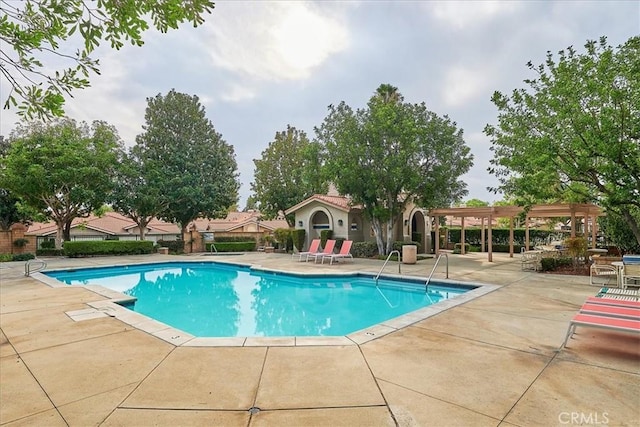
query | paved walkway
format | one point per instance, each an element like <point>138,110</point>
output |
<point>491,361</point>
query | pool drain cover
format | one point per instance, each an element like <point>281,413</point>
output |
<point>254,410</point>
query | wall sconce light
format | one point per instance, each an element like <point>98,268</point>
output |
<point>340,222</point>
<point>299,223</point>
<point>406,222</point>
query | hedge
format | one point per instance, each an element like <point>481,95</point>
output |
<point>107,247</point>
<point>16,257</point>
<point>232,246</point>
<point>500,236</point>
<point>50,252</point>
<point>364,249</point>
<point>324,236</point>
<point>234,239</point>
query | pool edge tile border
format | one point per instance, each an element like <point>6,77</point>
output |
<point>112,308</point>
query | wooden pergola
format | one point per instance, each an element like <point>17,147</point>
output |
<point>572,210</point>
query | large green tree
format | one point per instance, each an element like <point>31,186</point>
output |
<point>391,153</point>
<point>288,172</point>
<point>186,160</point>
<point>135,194</point>
<point>39,36</point>
<point>574,133</point>
<point>62,168</point>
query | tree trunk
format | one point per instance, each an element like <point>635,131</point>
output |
<point>390,234</point>
<point>377,232</point>
<point>67,230</point>
<point>633,224</point>
<point>59,234</point>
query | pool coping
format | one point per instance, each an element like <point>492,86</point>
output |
<point>112,307</point>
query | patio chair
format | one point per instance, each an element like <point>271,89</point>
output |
<point>606,272</point>
<point>531,260</point>
<point>603,322</point>
<point>314,248</point>
<point>345,252</point>
<point>630,272</point>
<point>328,249</point>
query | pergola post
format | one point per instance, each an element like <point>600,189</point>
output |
<point>526,233</point>
<point>462,236</point>
<point>510,237</point>
<point>573,222</point>
<point>482,245</point>
<point>594,231</point>
<point>490,259</point>
<point>437,243</point>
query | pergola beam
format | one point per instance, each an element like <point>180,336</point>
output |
<point>572,210</point>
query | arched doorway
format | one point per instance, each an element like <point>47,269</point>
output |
<point>418,228</point>
<point>319,221</point>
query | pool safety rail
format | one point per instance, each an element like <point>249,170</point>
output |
<point>34,265</point>
<point>385,264</point>
<point>433,270</point>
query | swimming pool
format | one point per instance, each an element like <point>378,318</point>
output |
<point>209,299</point>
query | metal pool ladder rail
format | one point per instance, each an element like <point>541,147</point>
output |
<point>27,266</point>
<point>433,270</point>
<point>385,264</point>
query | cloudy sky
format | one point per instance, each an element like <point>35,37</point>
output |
<point>259,66</point>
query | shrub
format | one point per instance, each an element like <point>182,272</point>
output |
<point>232,246</point>
<point>364,249</point>
<point>339,242</point>
<point>298,238</point>
<point>283,237</point>
<point>457,249</point>
<point>397,246</point>
<point>23,257</point>
<point>324,236</point>
<point>550,264</point>
<point>175,246</point>
<point>6,257</point>
<point>107,247</point>
<point>48,244</point>
<point>20,243</point>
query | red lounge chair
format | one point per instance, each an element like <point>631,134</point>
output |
<point>345,252</point>
<point>602,322</point>
<point>611,311</point>
<point>615,302</point>
<point>328,249</point>
<point>314,248</point>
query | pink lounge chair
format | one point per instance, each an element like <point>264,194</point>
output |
<point>614,302</point>
<point>345,252</point>
<point>602,322</point>
<point>611,311</point>
<point>328,249</point>
<point>314,248</point>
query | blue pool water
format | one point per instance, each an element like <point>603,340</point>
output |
<point>218,300</point>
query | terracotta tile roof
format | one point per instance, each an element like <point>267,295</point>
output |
<point>341,202</point>
<point>113,223</point>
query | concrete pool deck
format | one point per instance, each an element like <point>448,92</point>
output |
<point>491,361</point>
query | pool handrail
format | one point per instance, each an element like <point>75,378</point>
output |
<point>433,270</point>
<point>27,266</point>
<point>385,264</point>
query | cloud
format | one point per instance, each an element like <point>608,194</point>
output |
<point>464,84</point>
<point>274,41</point>
<point>461,14</point>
